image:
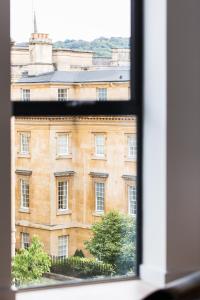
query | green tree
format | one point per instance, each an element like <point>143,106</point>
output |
<point>30,264</point>
<point>113,241</point>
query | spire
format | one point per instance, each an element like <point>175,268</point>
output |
<point>35,23</point>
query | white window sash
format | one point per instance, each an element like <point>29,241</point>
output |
<point>102,94</point>
<point>24,144</point>
<point>132,201</point>
<point>25,240</point>
<point>63,246</point>
<point>62,191</point>
<point>63,94</point>
<point>132,147</point>
<point>100,145</point>
<point>25,95</point>
<point>99,196</point>
<point>24,188</point>
<point>63,145</point>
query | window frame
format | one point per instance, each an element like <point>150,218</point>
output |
<point>65,183</point>
<point>59,145</point>
<point>134,192</point>
<point>61,238</point>
<point>102,94</point>
<point>23,235</point>
<point>24,194</point>
<point>133,107</point>
<point>23,135</point>
<point>24,94</point>
<point>64,92</point>
<point>102,184</point>
<point>97,145</point>
<point>131,142</point>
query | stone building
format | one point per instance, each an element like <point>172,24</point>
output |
<point>64,168</point>
<point>67,177</point>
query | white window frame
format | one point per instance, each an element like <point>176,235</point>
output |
<point>25,240</point>
<point>100,146</point>
<point>132,200</point>
<point>99,196</point>
<point>102,94</point>
<point>24,143</point>
<point>63,94</point>
<point>24,194</point>
<point>63,246</point>
<point>132,146</point>
<point>62,149</point>
<point>62,198</point>
<point>25,94</point>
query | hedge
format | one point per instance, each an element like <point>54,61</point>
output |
<point>80,267</point>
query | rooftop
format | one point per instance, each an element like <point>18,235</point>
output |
<point>111,75</point>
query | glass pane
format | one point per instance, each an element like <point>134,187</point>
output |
<point>79,50</point>
<point>74,201</point>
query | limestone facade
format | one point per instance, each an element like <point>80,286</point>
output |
<point>42,167</point>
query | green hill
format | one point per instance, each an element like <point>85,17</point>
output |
<point>101,46</point>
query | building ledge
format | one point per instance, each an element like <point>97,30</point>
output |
<point>129,177</point>
<point>24,172</point>
<point>64,173</point>
<point>64,212</point>
<point>24,210</point>
<point>98,175</point>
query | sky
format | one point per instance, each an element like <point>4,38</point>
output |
<point>70,19</point>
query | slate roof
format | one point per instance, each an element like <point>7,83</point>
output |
<point>112,75</point>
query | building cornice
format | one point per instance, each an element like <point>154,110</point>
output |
<point>79,118</point>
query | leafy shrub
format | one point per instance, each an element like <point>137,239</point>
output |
<point>113,241</point>
<point>79,253</point>
<point>30,264</point>
<point>80,267</point>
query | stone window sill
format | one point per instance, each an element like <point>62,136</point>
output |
<point>23,155</point>
<point>64,157</point>
<point>99,158</point>
<point>24,210</point>
<point>98,214</point>
<point>64,212</point>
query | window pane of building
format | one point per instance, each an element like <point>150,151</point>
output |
<point>132,147</point>
<point>102,94</point>
<point>62,144</point>
<point>132,200</point>
<point>24,143</point>
<point>25,240</point>
<point>25,95</point>
<point>24,185</point>
<point>99,196</point>
<point>99,144</point>
<point>63,246</point>
<point>62,94</point>
<point>62,195</point>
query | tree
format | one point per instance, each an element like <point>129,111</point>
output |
<point>79,253</point>
<point>30,264</point>
<point>113,241</point>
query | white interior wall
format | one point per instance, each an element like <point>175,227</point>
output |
<point>183,146</point>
